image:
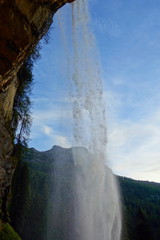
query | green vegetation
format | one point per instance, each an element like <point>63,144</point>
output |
<point>34,190</point>
<point>20,129</point>
<point>8,233</point>
<point>33,193</point>
<point>141,209</point>
<point>29,192</point>
<point>21,118</point>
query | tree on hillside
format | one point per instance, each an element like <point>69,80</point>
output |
<point>142,227</point>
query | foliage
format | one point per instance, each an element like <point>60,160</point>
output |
<point>39,200</point>
<point>7,233</point>
<point>142,226</point>
<point>20,201</point>
<point>34,192</point>
<point>29,193</point>
<point>141,209</point>
<point>21,119</point>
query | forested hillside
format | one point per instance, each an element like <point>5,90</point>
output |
<point>34,189</point>
<point>141,209</point>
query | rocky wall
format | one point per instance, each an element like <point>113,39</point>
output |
<point>22,24</point>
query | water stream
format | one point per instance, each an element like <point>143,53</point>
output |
<point>85,201</point>
<point>98,214</point>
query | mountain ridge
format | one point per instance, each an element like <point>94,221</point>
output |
<point>35,188</point>
<point>56,147</point>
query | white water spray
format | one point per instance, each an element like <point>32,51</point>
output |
<point>97,203</point>
<point>85,201</point>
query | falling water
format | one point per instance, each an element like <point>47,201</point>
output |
<point>85,200</point>
<point>97,200</point>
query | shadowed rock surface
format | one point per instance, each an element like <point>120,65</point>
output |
<point>22,25</point>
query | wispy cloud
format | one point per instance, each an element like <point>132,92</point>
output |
<point>62,141</point>
<point>133,120</point>
<point>130,54</point>
<point>133,146</point>
<point>48,130</point>
<point>51,123</point>
<point>107,26</point>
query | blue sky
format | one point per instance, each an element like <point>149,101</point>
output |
<point>128,39</point>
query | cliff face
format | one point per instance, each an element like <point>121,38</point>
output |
<point>22,24</point>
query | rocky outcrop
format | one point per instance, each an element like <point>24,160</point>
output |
<point>22,24</point>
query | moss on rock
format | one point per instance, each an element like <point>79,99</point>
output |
<point>8,233</point>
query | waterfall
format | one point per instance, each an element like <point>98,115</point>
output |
<point>97,203</point>
<point>85,195</point>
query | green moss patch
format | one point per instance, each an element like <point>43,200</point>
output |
<point>8,233</point>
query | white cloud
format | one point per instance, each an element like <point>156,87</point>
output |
<point>62,141</point>
<point>108,26</point>
<point>133,148</point>
<point>118,81</point>
<point>43,137</point>
<point>42,116</point>
<point>48,130</point>
<point>50,125</point>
